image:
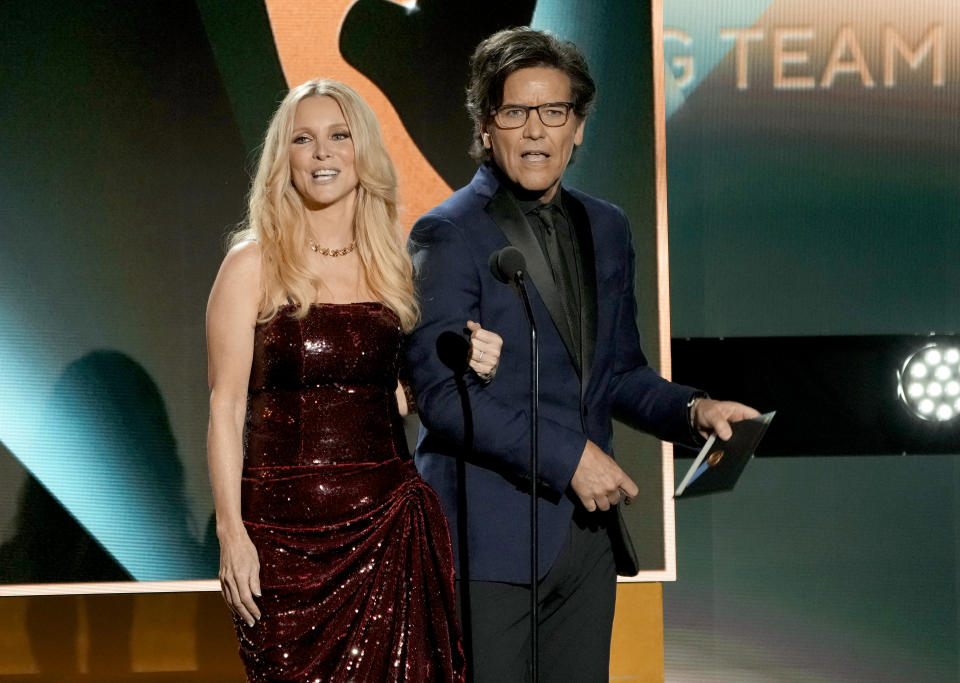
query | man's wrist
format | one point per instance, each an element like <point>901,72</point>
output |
<point>692,406</point>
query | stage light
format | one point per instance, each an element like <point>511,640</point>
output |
<point>930,382</point>
<point>851,379</point>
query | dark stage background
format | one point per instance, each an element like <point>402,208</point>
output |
<point>815,229</point>
<point>819,198</point>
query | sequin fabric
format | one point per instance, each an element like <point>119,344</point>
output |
<point>356,568</point>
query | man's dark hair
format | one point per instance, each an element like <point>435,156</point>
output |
<point>520,48</point>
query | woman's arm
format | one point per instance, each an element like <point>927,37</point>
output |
<point>231,320</point>
<point>403,404</point>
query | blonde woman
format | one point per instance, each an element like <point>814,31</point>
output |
<point>335,556</point>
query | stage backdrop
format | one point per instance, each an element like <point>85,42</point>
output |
<point>813,184</point>
<point>129,132</point>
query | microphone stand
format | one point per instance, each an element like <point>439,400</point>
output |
<point>508,266</point>
<point>534,508</point>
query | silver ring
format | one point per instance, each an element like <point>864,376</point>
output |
<point>480,357</point>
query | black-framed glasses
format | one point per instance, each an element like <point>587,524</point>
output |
<point>552,114</point>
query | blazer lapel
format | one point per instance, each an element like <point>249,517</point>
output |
<point>588,283</point>
<point>511,221</point>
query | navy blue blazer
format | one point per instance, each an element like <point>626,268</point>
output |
<point>473,446</point>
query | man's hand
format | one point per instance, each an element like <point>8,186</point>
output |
<point>484,353</point>
<point>598,480</point>
<point>709,416</point>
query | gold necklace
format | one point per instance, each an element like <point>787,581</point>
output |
<point>323,251</point>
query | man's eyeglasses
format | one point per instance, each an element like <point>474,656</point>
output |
<point>552,114</point>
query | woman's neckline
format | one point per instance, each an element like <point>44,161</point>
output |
<point>346,303</point>
<point>316,304</point>
<point>320,305</point>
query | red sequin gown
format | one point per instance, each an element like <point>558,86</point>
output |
<point>355,563</point>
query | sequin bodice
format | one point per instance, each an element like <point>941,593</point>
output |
<point>335,343</point>
<point>316,380</point>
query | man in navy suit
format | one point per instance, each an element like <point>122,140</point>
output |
<point>529,97</point>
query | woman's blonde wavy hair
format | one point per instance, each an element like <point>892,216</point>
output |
<point>276,217</point>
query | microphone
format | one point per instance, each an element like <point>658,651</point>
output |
<point>507,263</point>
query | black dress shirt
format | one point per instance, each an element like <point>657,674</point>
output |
<point>557,237</point>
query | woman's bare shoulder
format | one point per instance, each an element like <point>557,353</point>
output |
<point>244,255</point>
<point>243,264</point>
<point>239,276</point>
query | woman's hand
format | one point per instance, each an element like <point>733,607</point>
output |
<point>484,354</point>
<point>240,576</point>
